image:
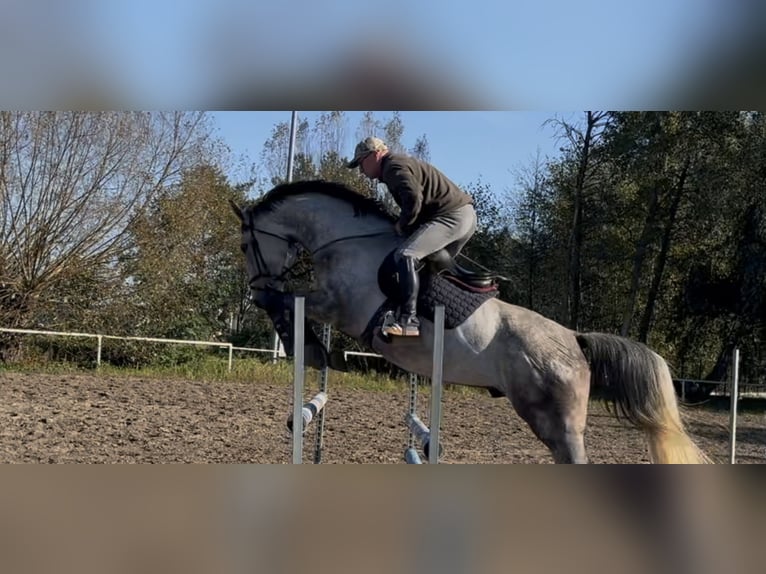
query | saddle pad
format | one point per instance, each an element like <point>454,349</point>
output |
<point>459,304</point>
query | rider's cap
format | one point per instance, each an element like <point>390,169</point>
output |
<point>365,147</point>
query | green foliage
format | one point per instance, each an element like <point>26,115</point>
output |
<point>492,247</point>
<point>538,263</point>
<point>663,208</point>
<point>672,252</point>
<point>667,213</point>
<point>186,271</point>
<point>71,183</point>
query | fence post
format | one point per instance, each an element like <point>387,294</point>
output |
<point>98,352</point>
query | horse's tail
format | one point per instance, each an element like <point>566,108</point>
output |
<point>639,385</point>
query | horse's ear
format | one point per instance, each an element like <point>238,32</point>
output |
<point>237,210</point>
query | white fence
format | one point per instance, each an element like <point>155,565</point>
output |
<point>229,346</point>
<point>277,352</point>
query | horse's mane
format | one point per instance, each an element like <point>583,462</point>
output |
<point>361,203</point>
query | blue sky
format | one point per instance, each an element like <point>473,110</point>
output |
<point>539,55</point>
<point>467,146</point>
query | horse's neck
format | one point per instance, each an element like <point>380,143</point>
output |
<point>347,282</point>
<point>320,224</point>
<point>346,253</point>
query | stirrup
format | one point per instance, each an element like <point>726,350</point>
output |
<point>401,328</point>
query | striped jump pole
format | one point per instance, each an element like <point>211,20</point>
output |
<point>422,433</point>
<point>309,411</point>
<point>425,436</point>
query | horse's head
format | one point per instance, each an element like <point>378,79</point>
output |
<point>312,215</point>
<point>269,251</point>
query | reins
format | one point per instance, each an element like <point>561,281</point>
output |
<point>263,268</point>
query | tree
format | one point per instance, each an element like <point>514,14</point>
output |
<point>369,126</point>
<point>393,131</point>
<point>422,149</point>
<point>186,276</point>
<point>492,247</point>
<point>533,227</point>
<point>276,149</point>
<point>672,162</point>
<point>330,134</point>
<point>723,289</point>
<point>672,232</point>
<point>581,151</point>
<point>70,185</point>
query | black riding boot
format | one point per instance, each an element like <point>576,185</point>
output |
<point>408,324</point>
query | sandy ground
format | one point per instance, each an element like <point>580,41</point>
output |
<point>83,418</point>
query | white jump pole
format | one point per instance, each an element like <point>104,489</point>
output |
<point>436,384</point>
<point>324,376</point>
<point>428,438</point>
<point>733,407</point>
<point>310,410</point>
<point>298,375</point>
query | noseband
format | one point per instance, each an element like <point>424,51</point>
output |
<point>262,268</point>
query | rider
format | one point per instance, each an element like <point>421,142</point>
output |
<point>435,214</point>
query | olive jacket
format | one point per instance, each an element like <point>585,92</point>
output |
<point>420,190</point>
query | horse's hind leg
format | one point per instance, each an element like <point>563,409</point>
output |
<point>566,441</point>
<point>569,448</point>
<point>558,420</point>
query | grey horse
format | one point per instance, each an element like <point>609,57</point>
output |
<point>545,369</point>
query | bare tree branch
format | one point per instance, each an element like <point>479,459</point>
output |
<point>71,182</point>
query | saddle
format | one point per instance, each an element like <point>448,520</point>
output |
<point>442,263</point>
<point>442,282</point>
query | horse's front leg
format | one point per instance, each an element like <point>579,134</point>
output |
<point>280,307</point>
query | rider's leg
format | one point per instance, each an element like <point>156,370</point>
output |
<point>407,324</point>
<point>451,230</point>
<point>464,226</point>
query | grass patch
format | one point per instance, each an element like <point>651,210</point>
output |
<point>244,370</point>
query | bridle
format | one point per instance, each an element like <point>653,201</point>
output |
<point>262,268</point>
